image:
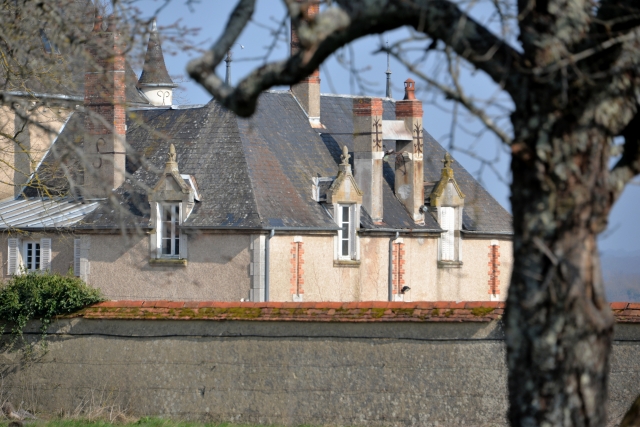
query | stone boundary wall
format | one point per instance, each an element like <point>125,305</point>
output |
<point>378,364</point>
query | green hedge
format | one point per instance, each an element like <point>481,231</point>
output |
<point>42,295</point>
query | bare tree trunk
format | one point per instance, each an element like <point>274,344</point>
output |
<point>559,326</point>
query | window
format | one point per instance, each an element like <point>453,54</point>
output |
<point>447,241</point>
<point>170,230</point>
<point>346,234</point>
<point>30,255</point>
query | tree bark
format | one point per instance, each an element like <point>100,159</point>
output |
<point>558,324</point>
<point>574,87</point>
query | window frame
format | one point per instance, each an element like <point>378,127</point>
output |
<point>447,239</point>
<point>36,266</point>
<point>450,240</point>
<point>175,233</point>
<point>351,238</point>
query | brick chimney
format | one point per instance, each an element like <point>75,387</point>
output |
<point>368,153</point>
<point>307,92</point>
<point>104,102</point>
<point>409,181</point>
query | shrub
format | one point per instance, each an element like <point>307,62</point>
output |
<point>43,295</point>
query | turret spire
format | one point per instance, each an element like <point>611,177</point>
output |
<point>388,73</point>
<point>155,81</point>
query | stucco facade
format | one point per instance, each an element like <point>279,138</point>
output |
<point>219,268</point>
<point>324,279</point>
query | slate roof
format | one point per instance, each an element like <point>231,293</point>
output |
<point>252,173</point>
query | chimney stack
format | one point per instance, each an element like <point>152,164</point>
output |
<point>105,120</point>
<point>307,92</point>
<point>409,181</point>
<point>368,153</point>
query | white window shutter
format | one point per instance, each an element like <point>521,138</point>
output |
<point>183,237</point>
<point>13,263</point>
<point>45,254</point>
<point>76,257</point>
<point>158,239</point>
<point>352,229</point>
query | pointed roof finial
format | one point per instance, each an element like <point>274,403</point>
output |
<point>345,156</point>
<point>447,161</point>
<point>172,154</point>
<point>388,73</point>
<point>154,27</point>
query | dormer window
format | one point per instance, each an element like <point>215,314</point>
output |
<point>447,201</point>
<point>345,198</point>
<point>170,230</point>
<point>172,200</point>
<point>346,234</point>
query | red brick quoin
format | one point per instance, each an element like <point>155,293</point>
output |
<point>297,279</point>
<point>494,271</point>
<point>398,267</point>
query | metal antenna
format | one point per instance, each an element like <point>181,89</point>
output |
<point>388,73</point>
<point>227,78</point>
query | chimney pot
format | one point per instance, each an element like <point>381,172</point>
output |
<point>409,89</point>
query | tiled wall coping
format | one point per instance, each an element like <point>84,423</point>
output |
<point>367,311</point>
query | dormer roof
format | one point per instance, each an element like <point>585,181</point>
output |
<point>154,72</point>
<point>447,191</point>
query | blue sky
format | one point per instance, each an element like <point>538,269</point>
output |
<point>623,234</point>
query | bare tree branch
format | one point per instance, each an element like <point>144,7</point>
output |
<point>336,27</point>
<point>629,164</point>
<point>457,95</point>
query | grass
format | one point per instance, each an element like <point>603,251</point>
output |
<point>142,422</point>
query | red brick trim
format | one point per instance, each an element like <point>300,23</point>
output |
<point>366,311</point>
<point>297,279</point>
<point>367,107</point>
<point>494,271</point>
<point>397,268</point>
<point>409,108</point>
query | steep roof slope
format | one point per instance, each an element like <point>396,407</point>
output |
<point>251,173</point>
<point>283,153</point>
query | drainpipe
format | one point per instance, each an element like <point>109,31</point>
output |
<point>391,265</point>
<point>266,266</point>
